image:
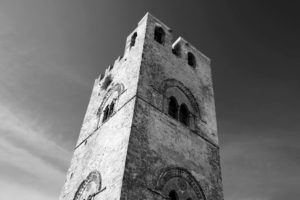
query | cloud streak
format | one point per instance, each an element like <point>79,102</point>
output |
<point>27,157</point>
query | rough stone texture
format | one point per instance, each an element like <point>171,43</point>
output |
<point>140,143</point>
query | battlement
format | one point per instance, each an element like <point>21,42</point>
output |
<point>180,47</point>
<point>170,43</point>
<point>148,16</point>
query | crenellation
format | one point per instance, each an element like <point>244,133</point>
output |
<point>188,47</point>
<point>100,77</point>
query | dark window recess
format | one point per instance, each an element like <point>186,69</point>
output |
<point>191,59</point>
<point>111,108</point>
<point>106,82</point>
<point>184,114</point>
<point>173,107</point>
<point>105,113</point>
<point>173,195</point>
<point>108,111</point>
<point>159,35</point>
<point>133,38</point>
<point>176,50</point>
<point>189,198</point>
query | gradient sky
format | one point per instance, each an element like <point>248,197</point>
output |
<point>51,52</point>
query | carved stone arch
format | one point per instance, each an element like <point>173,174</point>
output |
<point>168,83</point>
<point>93,177</point>
<point>178,172</point>
<point>119,87</point>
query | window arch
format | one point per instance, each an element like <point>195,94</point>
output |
<point>109,109</point>
<point>173,107</point>
<point>188,111</point>
<point>89,187</point>
<point>108,104</point>
<point>179,107</point>
<point>159,34</point>
<point>172,179</point>
<point>169,84</point>
<point>133,38</point>
<point>184,114</point>
<point>191,59</point>
<point>107,81</point>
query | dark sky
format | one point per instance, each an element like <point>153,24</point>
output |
<point>51,52</point>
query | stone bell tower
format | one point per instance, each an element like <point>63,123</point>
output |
<point>150,128</point>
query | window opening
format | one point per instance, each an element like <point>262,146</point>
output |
<point>133,38</point>
<point>184,114</point>
<point>173,107</point>
<point>106,82</point>
<point>173,195</point>
<point>191,59</point>
<point>159,35</point>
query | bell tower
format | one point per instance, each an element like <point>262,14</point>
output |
<point>150,128</point>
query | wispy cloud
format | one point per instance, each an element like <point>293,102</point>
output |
<point>28,157</point>
<point>8,191</point>
<point>34,151</point>
<point>37,77</point>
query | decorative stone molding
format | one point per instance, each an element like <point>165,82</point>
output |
<point>177,172</point>
<point>84,188</point>
<point>175,83</point>
<point>119,87</point>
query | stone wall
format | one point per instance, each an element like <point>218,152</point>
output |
<point>102,146</point>
<point>158,141</point>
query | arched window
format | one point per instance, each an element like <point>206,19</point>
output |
<point>89,187</point>
<point>173,178</point>
<point>105,113</point>
<point>159,35</point>
<point>173,195</point>
<point>184,114</point>
<point>111,108</point>
<point>108,104</point>
<point>133,37</point>
<point>191,59</point>
<point>106,82</point>
<point>173,107</point>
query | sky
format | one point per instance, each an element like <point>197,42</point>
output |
<point>51,52</point>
